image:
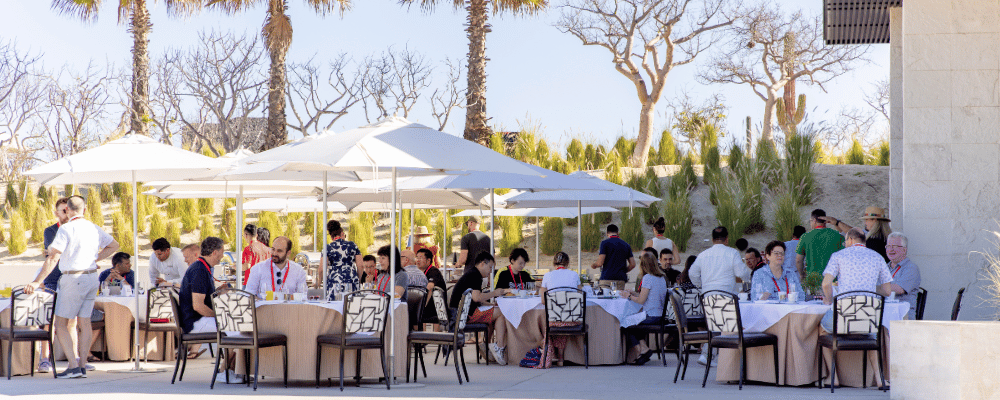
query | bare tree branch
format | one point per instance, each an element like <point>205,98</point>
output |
<point>75,111</point>
<point>21,95</point>
<point>309,107</point>
<point>444,100</point>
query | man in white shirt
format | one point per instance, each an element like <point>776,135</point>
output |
<point>277,274</point>
<point>77,247</point>
<point>719,267</point>
<point>167,267</point>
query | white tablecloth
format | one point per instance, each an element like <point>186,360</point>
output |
<point>128,302</point>
<point>626,311</point>
<point>759,316</point>
<point>337,306</point>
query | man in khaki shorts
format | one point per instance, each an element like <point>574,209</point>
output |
<point>77,247</point>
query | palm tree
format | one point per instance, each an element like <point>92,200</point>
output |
<point>137,15</point>
<point>477,27</point>
<point>277,33</point>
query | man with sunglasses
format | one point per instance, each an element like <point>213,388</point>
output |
<point>278,274</point>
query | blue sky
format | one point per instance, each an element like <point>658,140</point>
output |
<point>535,73</point>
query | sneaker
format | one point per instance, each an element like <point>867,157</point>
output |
<point>704,360</point>
<point>498,353</point>
<point>44,366</point>
<point>71,373</point>
<point>86,367</point>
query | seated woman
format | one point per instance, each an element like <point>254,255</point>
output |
<point>382,281</point>
<point>514,276</point>
<point>651,294</point>
<point>554,280</point>
<point>772,278</point>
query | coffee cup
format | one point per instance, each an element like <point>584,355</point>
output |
<point>782,296</point>
<point>793,297</point>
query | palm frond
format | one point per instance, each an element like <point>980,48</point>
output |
<point>323,7</point>
<point>83,9</point>
<point>277,29</point>
<point>183,8</point>
<point>519,7</point>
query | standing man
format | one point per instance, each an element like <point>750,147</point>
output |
<point>167,268</point>
<point>78,244</point>
<point>816,246</point>
<point>905,273</point>
<point>472,244</point>
<point>615,260</point>
<point>855,268</point>
<point>278,275</point>
<point>718,268</point>
<point>51,281</point>
<point>791,245</point>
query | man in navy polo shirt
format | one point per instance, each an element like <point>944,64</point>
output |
<point>615,260</point>
<point>197,286</point>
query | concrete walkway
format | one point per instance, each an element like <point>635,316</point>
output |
<point>571,382</point>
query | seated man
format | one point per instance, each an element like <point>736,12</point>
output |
<point>369,272</point>
<point>473,279</point>
<point>856,267</point>
<point>514,276</point>
<point>278,274</point>
<point>415,276</point>
<point>197,286</point>
<point>425,263</point>
<point>666,260</point>
<point>191,253</point>
<point>121,270</point>
<point>905,273</point>
<point>167,267</point>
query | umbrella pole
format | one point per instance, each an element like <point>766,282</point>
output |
<point>322,259</point>
<point>493,231</point>
<point>315,230</point>
<point>537,238</point>
<point>579,238</point>
<point>412,242</point>
<point>239,239</point>
<point>392,282</point>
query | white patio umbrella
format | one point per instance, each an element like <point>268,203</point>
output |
<point>612,196</point>
<point>395,146</point>
<point>557,212</point>
<point>132,158</point>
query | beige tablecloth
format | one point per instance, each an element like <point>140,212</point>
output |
<point>605,337</point>
<point>798,335</point>
<point>301,324</point>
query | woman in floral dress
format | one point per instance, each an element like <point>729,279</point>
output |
<point>343,259</point>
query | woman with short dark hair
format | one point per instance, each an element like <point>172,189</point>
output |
<point>343,258</point>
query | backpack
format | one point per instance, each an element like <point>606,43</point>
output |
<point>532,358</point>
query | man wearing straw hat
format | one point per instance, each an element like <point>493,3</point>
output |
<point>423,241</point>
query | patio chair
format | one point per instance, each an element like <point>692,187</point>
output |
<point>567,306</point>
<point>454,340</point>
<point>185,339</point>
<point>28,314</point>
<point>857,326</point>
<point>236,311</point>
<point>918,312</point>
<point>685,337</point>
<point>725,330</point>
<point>366,313</point>
<point>955,308</point>
<point>693,308</point>
<point>159,317</point>
<point>416,297</point>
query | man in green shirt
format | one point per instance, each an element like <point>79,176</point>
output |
<point>816,246</point>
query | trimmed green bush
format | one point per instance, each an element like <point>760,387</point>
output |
<point>41,221</point>
<point>206,206</point>
<point>122,232</point>
<point>309,224</point>
<point>207,228</point>
<point>551,241</point>
<point>3,237</point>
<point>631,229</point>
<point>882,158</point>
<point>18,243</point>
<point>736,158</point>
<point>189,220</point>
<point>107,195</point>
<point>667,153</point>
<point>678,217</point>
<point>768,161</point>
<point>856,154</point>
<point>687,172</point>
<point>29,205</point>
<point>575,155</point>
<point>728,213</point>
<point>361,230</point>
<point>294,234</point>
<point>174,233</point>
<point>799,166</point>
<point>613,172</point>
<point>709,138</point>
<point>156,227</point>
<point>752,195</point>
<point>591,233</point>
<point>590,157</point>
<point>93,211</point>
<point>12,197</point>
<point>786,213</point>
<point>269,220</point>
<point>511,233</point>
<point>712,164</point>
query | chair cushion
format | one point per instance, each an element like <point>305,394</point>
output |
<point>749,340</point>
<point>351,340</point>
<point>25,333</point>
<point>199,337</point>
<point>563,330</point>
<point>476,327</point>
<point>158,327</point>
<point>263,340</point>
<point>654,327</point>
<point>850,342</point>
<point>435,337</point>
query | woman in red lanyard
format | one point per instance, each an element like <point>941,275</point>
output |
<point>514,276</point>
<point>382,280</point>
<point>770,280</point>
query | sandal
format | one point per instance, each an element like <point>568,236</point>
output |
<point>91,358</point>
<point>193,355</point>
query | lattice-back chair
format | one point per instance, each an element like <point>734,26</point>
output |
<point>918,310</point>
<point>366,313</point>
<point>693,309</point>
<point>857,326</point>
<point>159,317</point>
<point>685,337</point>
<point>28,314</point>
<point>454,340</point>
<point>725,330</point>
<point>955,308</point>
<point>185,339</point>
<point>416,297</point>
<point>566,315</point>
<point>236,311</point>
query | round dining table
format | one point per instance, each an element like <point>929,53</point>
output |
<point>797,326</point>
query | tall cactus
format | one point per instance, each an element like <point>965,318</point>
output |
<point>789,118</point>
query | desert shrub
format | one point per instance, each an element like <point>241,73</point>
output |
<point>175,208</point>
<point>666,153</point>
<point>647,183</point>
<point>440,236</point>
<point>575,153</point>
<point>786,214</point>
<point>294,234</point>
<point>156,227</point>
<point>45,195</point>
<point>269,220</point>
<point>590,233</point>
<point>678,217</point>
<point>12,198</point>
<point>709,138</point>
<point>207,228</point>
<point>687,173</point>
<point>29,205</point>
<point>736,158</point>
<point>206,206</point>
<point>570,222</point>
<point>767,159</point>
<point>189,220</point>
<point>118,189</point>
<point>752,195</point>
<point>631,229</point>
<point>799,166</point>
<point>613,172</point>
<point>712,164</point>
<point>107,195</point>
<point>40,222</point>
<point>856,154</point>
<point>589,157</point>
<point>3,237</point>
<point>361,230</point>
<point>173,233</point>
<point>728,194</point>
<point>93,212</point>
<point>122,231</point>
<point>552,236</point>
<point>18,243</point>
<point>882,156</point>
<point>309,225</point>
<point>512,233</point>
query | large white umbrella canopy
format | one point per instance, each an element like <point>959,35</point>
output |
<point>543,179</point>
<point>558,212</point>
<point>611,195</point>
<point>129,159</point>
